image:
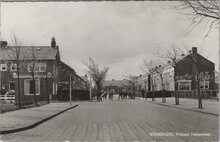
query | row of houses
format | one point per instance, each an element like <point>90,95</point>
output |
<point>182,76</point>
<point>50,72</point>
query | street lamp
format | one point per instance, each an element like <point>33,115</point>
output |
<point>90,88</point>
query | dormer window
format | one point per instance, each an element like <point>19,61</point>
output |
<point>3,67</point>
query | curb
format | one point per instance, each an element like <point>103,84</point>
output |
<point>35,124</point>
<point>217,115</point>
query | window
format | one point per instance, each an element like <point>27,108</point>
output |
<point>13,67</point>
<point>3,67</point>
<point>11,86</point>
<point>29,86</point>
<point>55,88</point>
<point>184,85</point>
<point>204,84</point>
<point>38,67</point>
<point>42,67</point>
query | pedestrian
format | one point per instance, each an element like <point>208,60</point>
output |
<point>111,95</point>
<point>119,95</point>
<point>105,95</point>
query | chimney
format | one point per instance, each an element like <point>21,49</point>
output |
<point>194,50</point>
<point>4,44</point>
<point>53,43</point>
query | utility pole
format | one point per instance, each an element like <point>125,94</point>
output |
<point>90,88</point>
<point>158,52</point>
<point>70,91</point>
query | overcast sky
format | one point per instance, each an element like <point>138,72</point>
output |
<point>115,34</point>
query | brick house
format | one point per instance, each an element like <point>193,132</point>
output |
<point>184,73</point>
<point>46,61</point>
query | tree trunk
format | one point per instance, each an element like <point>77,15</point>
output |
<point>34,91</point>
<point>19,93</point>
<point>199,94</point>
<point>153,95</point>
<point>98,84</point>
<point>48,97</point>
<point>163,88</point>
<point>176,94</point>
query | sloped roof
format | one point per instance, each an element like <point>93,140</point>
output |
<point>84,78</point>
<point>70,68</point>
<point>26,53</point>
<point>184,57</point>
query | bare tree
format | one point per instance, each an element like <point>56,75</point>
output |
<point>17,57</point>
<point>171,56</point>
<point>98,75</point>
<point>202,12</point>
<point>197,61</point>
<point>46,75</point>
<point>159,72</point>
<point>148,68</point>
<point>17,61</point>
<point>32,67</point>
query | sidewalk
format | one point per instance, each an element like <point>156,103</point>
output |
<point>209,106</point>
<point>24,118</point>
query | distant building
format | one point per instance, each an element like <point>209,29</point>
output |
<point>117,85</point>
<point>124,85</point>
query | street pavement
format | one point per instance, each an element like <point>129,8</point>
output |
<point>122,120</point>
<point>209,106</point>
<point>26,117</point>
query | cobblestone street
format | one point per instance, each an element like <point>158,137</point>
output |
<point>122,120</point>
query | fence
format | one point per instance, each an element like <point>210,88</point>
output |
<point>159,94</point>
<point>7,98</point>
<point>193,94</point>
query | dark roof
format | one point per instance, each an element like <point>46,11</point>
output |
<point>84,78</point>
<point>70,68</point>
<point>66,66</point>
<point>26,52</point>
<point>184,57</point>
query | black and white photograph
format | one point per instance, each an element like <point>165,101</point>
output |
<point>109,71</point>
